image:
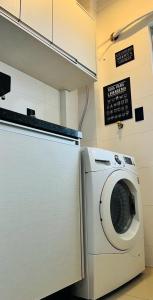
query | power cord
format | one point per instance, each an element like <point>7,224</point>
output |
<point>84,109</point>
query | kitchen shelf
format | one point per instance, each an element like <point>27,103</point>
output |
<point>27,51</point>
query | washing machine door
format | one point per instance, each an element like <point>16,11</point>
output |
<point>120,209</point>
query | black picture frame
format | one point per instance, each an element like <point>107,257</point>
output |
<point>124,56</point>
<point>117,101</point>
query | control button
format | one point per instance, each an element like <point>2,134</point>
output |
<point>118,160</point>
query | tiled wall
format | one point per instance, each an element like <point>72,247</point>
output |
<point>135,138</point>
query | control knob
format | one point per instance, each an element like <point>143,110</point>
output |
<point>118,160</point>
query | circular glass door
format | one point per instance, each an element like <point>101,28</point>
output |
<point>120,209</point>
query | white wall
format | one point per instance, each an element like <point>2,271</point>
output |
<point>29,92</point>
<point>89,122</point>
<point>135,138</point>
<point>69,108</point>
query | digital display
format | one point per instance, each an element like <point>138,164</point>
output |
<point>128,160</point>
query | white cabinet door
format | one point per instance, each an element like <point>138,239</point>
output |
<point>12,6</point>
<point>38,15</point>
<point>74,32</point>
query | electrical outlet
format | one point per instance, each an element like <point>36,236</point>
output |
<point>139,114</point>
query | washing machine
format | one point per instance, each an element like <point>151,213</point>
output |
<point>113,224</point>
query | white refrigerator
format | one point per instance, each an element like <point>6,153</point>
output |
<point>40,213</point>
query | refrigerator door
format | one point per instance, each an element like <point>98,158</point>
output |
<point>40,214</point>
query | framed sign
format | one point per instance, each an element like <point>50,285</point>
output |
<point>117,101</point>
<point>124,56</point>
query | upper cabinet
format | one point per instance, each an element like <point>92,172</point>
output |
<point>38,15</point>
<point>74,32</point>
<point>52,41</point>
<point>12,6</point>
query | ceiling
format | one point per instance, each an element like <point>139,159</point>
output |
<point>94,6</point>
<point>100,4</point>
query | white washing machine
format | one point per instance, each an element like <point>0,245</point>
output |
<point>113,227</point>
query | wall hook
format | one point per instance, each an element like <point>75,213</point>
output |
<point>120,125</point>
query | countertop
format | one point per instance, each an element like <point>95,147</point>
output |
<point>33,122</point>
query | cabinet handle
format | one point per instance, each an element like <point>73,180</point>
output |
<point>102,161</point>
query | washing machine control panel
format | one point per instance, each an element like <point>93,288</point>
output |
<point>123,160</point>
